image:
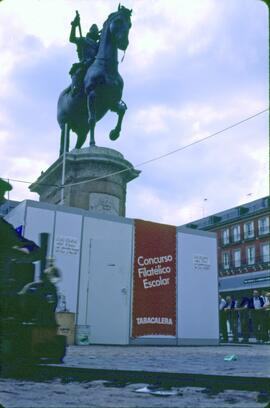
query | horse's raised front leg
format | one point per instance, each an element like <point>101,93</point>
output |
<point>91,115</point>
<point>64,143</point>
<point>120,109</point>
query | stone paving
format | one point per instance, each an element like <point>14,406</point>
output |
<point>252,360</point>
<point>95,394</point>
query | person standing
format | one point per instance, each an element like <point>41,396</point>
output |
<point>244,314</point>
<point>265,297</point>
<point>223,319</point>
<point>256,305</point>
<point>265,321</point>
<point>232,316</point>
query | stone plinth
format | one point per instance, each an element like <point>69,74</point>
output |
<point>95,179</point>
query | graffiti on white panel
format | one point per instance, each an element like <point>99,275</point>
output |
<point>66,245</point>
<point>201,262</point>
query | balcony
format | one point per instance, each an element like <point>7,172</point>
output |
<point>260,264</point>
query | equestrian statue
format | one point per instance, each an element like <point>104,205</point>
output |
<point>96,85</point>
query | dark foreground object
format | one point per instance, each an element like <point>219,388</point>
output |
<point>26,344</point>
<point>28,325</point>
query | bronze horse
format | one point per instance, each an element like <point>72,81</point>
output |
<point>102,86</point>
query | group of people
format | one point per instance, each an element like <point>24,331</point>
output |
<point>245,318</point>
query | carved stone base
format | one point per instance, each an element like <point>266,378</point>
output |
<point>95,180</point>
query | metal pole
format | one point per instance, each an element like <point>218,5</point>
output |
<point>64,164</point>
<point>43,242</point>
<point>8,198</point>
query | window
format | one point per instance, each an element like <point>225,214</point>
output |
<point>251,255</point>
<point>226,260</point>
<point>263,225</point>
<point>236,233</point>
<point>265,252</point>
<point>237,258</point>
<point>225,236</point>
<point>249,229</point>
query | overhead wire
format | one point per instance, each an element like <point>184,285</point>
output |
<point>175,150</point>
<point>150,160</point>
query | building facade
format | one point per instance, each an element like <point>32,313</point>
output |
<point>7,206</point>
<point>243,236</point>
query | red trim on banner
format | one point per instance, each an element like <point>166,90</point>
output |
<point>154,279</point>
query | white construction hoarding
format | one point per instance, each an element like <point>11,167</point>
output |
<point>169,295</point>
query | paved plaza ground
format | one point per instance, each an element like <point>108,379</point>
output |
<point>252,361</point>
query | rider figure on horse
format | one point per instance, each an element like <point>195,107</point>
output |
<point>87,48</point>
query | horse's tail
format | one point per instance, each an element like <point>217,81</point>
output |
<point>78,143</point>
<point>82,135</point>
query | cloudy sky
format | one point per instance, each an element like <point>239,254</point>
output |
<point>192,68</point>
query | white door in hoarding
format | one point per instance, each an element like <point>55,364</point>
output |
<point>107,305</point>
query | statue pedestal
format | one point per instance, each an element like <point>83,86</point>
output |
<point>95,180</point>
